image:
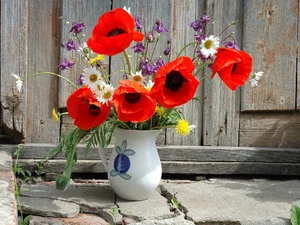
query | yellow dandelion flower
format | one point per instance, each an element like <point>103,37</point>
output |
<point>95,59</point>
<point>183,128</point>
<point>160,111</point>
<point>55,115</point>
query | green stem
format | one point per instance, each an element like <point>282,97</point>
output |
<point>202,67</point>
<point>50,73</point>
<point>193,43</point>
<point>127,61</point>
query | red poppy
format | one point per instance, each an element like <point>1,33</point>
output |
<point>174,83</point>
<point>233,67</point>
<point>113,33</point>
<point>133,102</point>
<point>87,111</point>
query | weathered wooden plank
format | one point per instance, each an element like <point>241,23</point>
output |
<point>43,51</point>
<point>298,61</point>
<point>185,12</point>
<point>270,129</point>
<point>178,153</point>
<point>86,12</point>
<point>268,25</point>
<point>14,38</point>
<point>169,167</point>
<point>221,106</point>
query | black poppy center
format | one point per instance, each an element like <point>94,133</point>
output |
<point>115,32</point>
<point>132,98</point>
<point>174,80</point>
<point>234,67</point>
<point>94,110</point>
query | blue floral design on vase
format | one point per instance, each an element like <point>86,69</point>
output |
<point>122,161</point>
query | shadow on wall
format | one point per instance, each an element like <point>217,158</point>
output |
<point>280,129</point>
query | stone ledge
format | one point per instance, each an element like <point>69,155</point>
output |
<point>8,204</point>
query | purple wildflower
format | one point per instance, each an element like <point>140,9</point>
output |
<point>147,68</point>
<point>79,81</point>
<point>202,57</point>
<point>159,63</point>
<point>159,27</point>
<point>77,27</point>
<point>138,23</point>
<point>196,25</point>
<point>138,47</point>
<point>65,64</point>
<point>200,37</point>
<point>167,51</point>
<point>205,18</point>
<point>69,45</point>
<point>150,37</point>
<point>231,44</point>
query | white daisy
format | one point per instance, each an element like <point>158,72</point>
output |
<point>255,77</point>
<point>127,9</point>
<point>209,46</point>
<point>137,77</point>
<point>19,82</point>
<point>149,85</point>
<point>92,78</point>
<point>106,95</point>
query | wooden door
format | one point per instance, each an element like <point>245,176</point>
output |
<point>266,115</point>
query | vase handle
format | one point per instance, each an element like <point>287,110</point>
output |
<point>102,157</point>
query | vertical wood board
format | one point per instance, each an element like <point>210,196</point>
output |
<point>270,37</point>
<point>43,51</point>
<point>298,61</point>
<point>185,12</point>
<point>221,106</point>
<point>87,12</point>
<point>14,37</point>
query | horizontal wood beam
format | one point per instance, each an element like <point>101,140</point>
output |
<point>173,167</point>
<point>178,153</point>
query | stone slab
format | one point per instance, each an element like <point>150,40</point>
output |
<point>156,207</point>
<point>94,198</point>
<point>5,161</point>
<point>8,204</point>
<point>49,207</point>
<point>245,202</point>
<point>80,219</point>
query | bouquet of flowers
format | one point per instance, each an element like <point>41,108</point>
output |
<point>151,90</point>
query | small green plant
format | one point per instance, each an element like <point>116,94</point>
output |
<point>114,212</point>
<point>295,214</point>
<point>174,203</point>
<point>26,175</point>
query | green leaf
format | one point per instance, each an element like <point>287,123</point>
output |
<point>26,220</point>
<point>62,182</point>
<point>114,173</point>
<point>295,214</point>
<point>129,152</point>
<point>24,189</point>
<point>125,176</point>
<point>175,202</point>
<point>123,145</point>
<point>118,149</point>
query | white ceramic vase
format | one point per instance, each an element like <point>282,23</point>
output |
<point>134,168</point>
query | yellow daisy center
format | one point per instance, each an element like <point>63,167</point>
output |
<point>93,77</point>
<point>100,87</point>
<point>182,127</point>
<point>107,95</point>
<point>208,44</point>
<point>137,78</point>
